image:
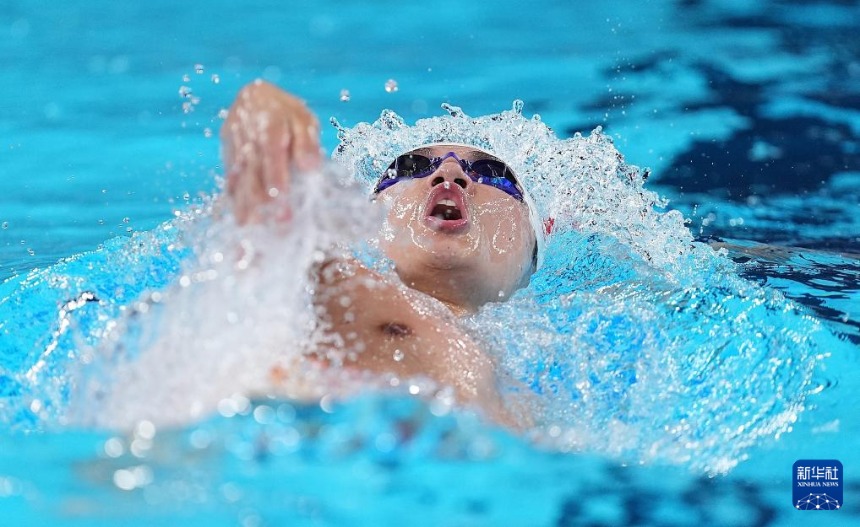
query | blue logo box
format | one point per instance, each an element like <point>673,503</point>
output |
<point>817,485</point>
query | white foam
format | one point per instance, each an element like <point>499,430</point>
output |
<point>241,307</point>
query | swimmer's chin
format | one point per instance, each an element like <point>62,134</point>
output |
<point>447,257</point>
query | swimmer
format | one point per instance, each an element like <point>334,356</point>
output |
<point>460,237</point>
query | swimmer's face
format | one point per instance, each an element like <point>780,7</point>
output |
<point>463,242</point>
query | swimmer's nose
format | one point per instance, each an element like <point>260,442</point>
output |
<point>450,172</point>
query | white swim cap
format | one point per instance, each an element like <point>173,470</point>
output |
<point>567,183</point>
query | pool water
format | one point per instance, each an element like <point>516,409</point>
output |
<point>747,116</point>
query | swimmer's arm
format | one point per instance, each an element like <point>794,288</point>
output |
<point>268,135</point>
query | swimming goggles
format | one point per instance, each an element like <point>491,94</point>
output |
<point>489,171</point>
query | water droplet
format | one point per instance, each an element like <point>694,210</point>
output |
<point>114,447</point>
<point>207,132</point>
<point>145,429</point>
<point>198,69</point>
<point>187,107</point>
<point>184,91</point>
<point>31,252</point>
<point>223,113</point>
<point>453,111</point>
<point>339,127</point>
<point>344,95</point>
<point>398,355</point>
<point>5,224</point>
<point>391,86</point>
<point>215,78</point>
<point>124,479</point>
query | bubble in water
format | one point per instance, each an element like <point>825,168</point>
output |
<point>187,107</point>
<point>114,447</point>
<point>391,86</point>
<point>5,225</point>
<point>344,95</point>
<point>124,479</point>
<point>215,78</point>
<point>132,478</point>
<point>398,355</point>
<point>145,429</point>
<point>184,91</point>
<point>198,69</point>
<point>207,132</point>
<point>223,113</point>
<point>186,78</point>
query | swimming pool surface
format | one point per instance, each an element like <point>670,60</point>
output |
<point>747,114</point>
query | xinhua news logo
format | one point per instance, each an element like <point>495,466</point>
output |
<point>817,485</point>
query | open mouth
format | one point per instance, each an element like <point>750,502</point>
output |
<point>446,209</point>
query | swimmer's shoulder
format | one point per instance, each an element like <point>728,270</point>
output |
<point>336,271</point>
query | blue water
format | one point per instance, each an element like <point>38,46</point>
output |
<point>748,117</point>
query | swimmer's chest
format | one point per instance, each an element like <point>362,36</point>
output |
<point>373,324</point>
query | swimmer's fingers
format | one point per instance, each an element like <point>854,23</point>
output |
<point>239,152</point>
<point>292,145</point>
<point>248,190</point>
<point>267,135</point>
<point>306,145</point>
<point>276,161</point>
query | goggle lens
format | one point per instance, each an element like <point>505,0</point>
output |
<point>492,172</point>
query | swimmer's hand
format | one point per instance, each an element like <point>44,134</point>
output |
<point>268,134</point>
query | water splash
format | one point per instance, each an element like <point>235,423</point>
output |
<point>632,334</point>
<point>636,341</point>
